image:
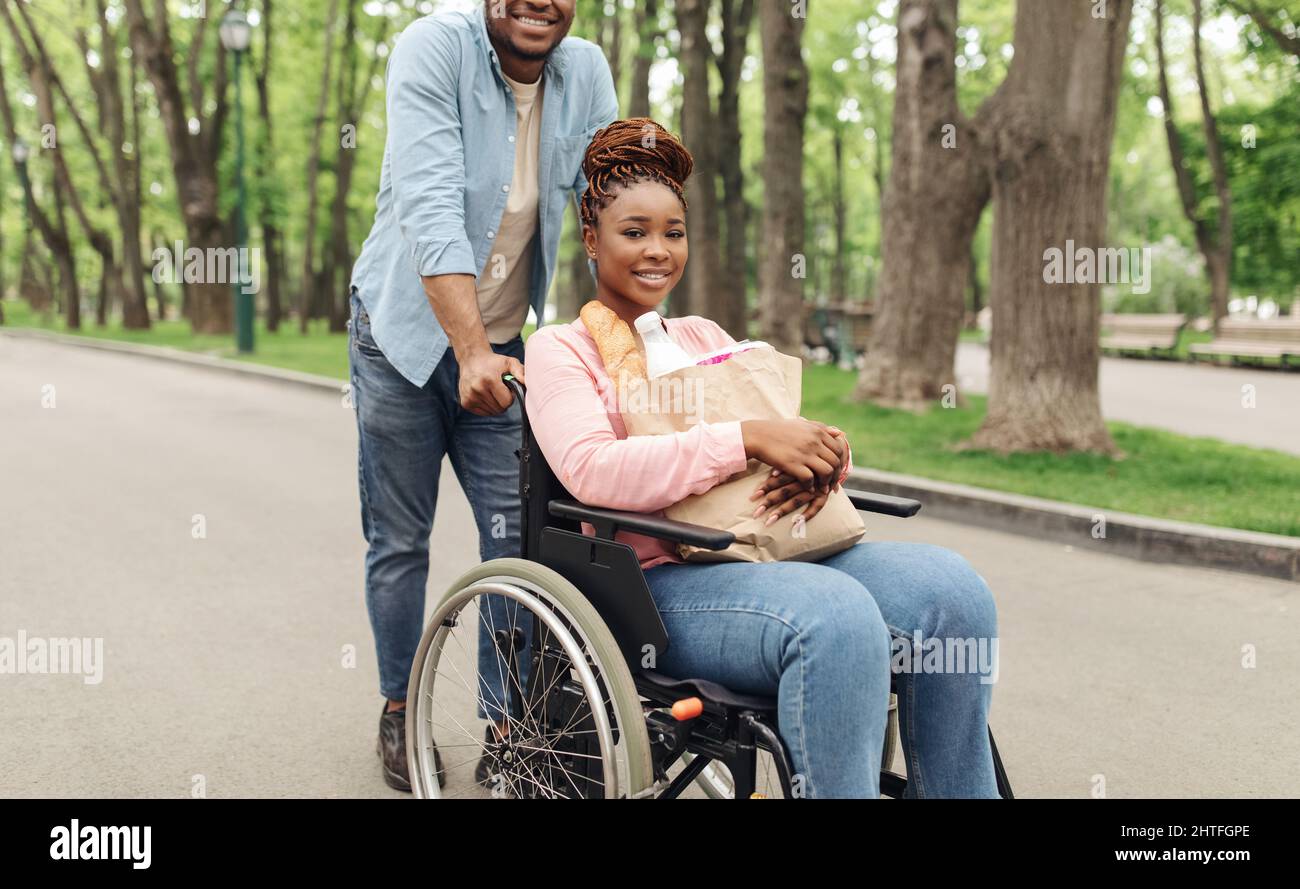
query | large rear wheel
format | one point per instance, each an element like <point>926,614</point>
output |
<point>574,725</point>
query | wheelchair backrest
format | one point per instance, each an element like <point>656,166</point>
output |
<point>537,487</point>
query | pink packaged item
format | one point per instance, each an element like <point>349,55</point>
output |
<point>717,356</point>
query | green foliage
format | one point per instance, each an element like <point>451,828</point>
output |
<point>1263,159</point>
<point>1178,284</point>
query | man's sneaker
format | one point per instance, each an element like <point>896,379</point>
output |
<point>391,748</point>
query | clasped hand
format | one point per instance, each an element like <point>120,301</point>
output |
<point>808,460</point>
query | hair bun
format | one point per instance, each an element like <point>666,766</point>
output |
<point>638,141</point>
<point>632,150</point>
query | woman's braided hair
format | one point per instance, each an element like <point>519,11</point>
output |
<point>628,151</point>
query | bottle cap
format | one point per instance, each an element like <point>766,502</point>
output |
<point>647,322</point>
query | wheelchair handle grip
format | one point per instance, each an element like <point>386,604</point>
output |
<point>515,385</point>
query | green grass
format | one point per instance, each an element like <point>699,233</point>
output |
<point>1186,337</point>
<point>1162,474</point>
<point>317,352</point>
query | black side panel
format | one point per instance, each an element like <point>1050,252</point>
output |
<point>609,574</point>
<point>537,485</point>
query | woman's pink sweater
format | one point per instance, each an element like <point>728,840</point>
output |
<point>573,409</point>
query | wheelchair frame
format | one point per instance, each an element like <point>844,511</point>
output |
<point>731,728</point>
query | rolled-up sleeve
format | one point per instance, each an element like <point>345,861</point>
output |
<point>643,473</point>
<point>427,156</point>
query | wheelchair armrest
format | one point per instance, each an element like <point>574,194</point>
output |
<point>607,521</point>
<point>902,507</point>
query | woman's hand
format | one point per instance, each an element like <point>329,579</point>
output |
<point>781,493</point>
<point>807,451</point>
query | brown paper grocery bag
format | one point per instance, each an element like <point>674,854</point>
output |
<point>757,384</point>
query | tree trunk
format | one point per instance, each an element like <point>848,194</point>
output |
<point>67,267</point>
<point>267,216</point>
<point>41,75</point>
<point>102,298</point>
<point>1215,246</point>
<point>1221,267</point>
<point>838,289</point>
<point>339,256</point>
<point>699,135</point>
<point>733,300</point>
<point>157,240</point>
<point>615,47</point>
<point>782,265</point>
<point>580,288</point>
<point>52,226</point>
<point>193,155</point>
<point>310,298</point>
<point>647,30</point>
<point>938,161</point>
<point>126,196</point>
<point>133,200</point>
<point>352,94</point>
<point>34,279</point>
<point>122,186</point>
<point>1055,121</point>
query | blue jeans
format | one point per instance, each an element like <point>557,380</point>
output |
<point>403,433</point>
<point>823,637</point>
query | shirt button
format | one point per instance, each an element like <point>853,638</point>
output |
<point>511,138</point>
<point>492,234</point>
<point>505,188</point>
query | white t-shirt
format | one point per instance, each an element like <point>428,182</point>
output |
<point>503,286</point>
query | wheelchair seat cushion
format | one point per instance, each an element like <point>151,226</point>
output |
<point>709,691</point>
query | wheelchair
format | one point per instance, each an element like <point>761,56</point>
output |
<point>588,714</point>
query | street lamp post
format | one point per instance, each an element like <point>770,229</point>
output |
<point>236,33</point>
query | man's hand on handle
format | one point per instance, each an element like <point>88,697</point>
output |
<point>482,390</point>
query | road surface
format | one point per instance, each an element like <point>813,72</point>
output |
<point>1193,399</point>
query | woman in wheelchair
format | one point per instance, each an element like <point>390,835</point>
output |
<point>818,637</point>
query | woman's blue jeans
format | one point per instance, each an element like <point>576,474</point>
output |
<point>823,637</point>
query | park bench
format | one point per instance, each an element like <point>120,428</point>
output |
<point>854,328</point>
<point>1252,338</point>
<point>820,324</point>
<point>1147,334</point>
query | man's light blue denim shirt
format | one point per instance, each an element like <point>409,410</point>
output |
<point>448,161</point>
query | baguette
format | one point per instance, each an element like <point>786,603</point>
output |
<point>616,343</point>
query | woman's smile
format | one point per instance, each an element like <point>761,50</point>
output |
<point>654,279</point>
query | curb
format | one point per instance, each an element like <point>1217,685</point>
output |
<point>194,359</point>
<point>1133,536</point>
